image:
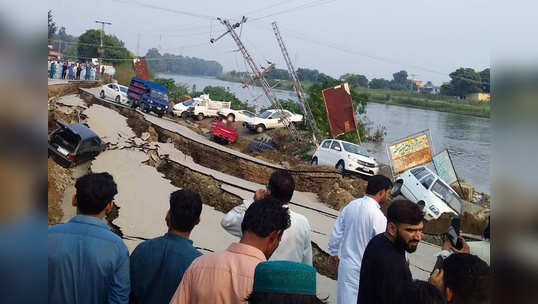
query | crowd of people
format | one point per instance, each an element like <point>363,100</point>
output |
<point>72,70</point>
<point>271,262</point>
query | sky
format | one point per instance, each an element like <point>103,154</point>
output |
<point>427,38</point>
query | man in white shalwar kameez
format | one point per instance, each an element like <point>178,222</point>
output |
<point>358,222</point>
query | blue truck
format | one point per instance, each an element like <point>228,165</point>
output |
<point>149,96</point>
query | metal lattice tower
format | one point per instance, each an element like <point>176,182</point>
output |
<point>257,74</point>
<point>297,85</point>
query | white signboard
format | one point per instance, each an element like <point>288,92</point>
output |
<point>444,167</point>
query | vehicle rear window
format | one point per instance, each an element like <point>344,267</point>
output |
<point>123,89</point>
<point>419,172</point>
<point>65,139</point>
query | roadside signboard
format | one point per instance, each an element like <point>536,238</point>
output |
<point>445,168</point>
<point>410,152</point>
<point>339,109</point>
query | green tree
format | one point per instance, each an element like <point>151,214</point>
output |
<point>51,26</point>
<point>465,81</point>
<point>400,77</point>
<point>447,89</point>
<point>379,83</point>
<point>177,64</point>
<point>89,42</point>
<point>484,78</point>
<point>355,80</point>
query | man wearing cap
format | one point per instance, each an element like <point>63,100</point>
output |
<point>227,276</point>
<point>284,282</point>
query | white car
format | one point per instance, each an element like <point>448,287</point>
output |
<point>236,115</point>
<point>345,156</point>
<point>180,109</point>
<point>420,185</point>
<point>114,91</point>
<point>271,119</point>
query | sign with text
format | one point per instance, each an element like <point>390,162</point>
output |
<point>410,152</point>
<point>445,168</point>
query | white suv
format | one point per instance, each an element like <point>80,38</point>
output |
<point>345,156</point>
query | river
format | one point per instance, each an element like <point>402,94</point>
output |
<point>467,138</point>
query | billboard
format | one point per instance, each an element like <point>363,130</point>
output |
<point>141,68</point>
<point>410,152</point>
<point>339,109</point>
<point>445,168</point>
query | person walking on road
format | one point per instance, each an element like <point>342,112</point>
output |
<point>358,222</point>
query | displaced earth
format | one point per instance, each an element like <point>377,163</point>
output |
<point>151,157</point>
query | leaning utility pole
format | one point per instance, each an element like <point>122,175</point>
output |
<point>257,74</point>
<point>297,85</point>
<point>101,50</point>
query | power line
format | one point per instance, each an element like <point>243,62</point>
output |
<point>304,37</point>
<point>303,6</point>
<point>266,7</point>
<point>169,10</point>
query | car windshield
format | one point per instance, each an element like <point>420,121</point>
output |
<point>265,114</point>
<point>249,114</point>
<point>66,139</point>
<point>188,102</point>
<point>123,89</point>
<point>355,149</point>
<point>157,94</point>
<point>444,193</point>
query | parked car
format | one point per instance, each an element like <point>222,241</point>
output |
<point>345,157</point>
<point>420,185</point>
<point>148,95</point>
<point>271,119</point>
<point>236,115</point>
<point>72,144</point>
<point>200,107</point>
<point>114,91</point>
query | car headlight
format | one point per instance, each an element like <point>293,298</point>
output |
<point>434,209</point>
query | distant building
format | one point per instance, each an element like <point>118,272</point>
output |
<point>430,89</point>
<point>54,54</point>
<point>418,83</point>
<point>478,97</point>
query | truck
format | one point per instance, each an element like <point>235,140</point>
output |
<point>148,95</point>
<point>200,107</point>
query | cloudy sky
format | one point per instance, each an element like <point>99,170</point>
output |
<point>427,38</point>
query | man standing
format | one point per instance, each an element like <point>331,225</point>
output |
<point>227,276</point>
<point>356,225</point>
<point>79,69</point>
<point>157,265</point>
<point>385,271</point>
<point>295,245</point>
<point>87,262</point>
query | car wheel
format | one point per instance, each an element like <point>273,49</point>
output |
<point>184,115</point>
<point>260,128</point>
<point>340,166</point>
<point>133,104</point>
<point>160,115</point>
<point>231,117</point>
<point>397,188</point>
<point>200,116</point>
<point>118,99</point>
<point>102,94</point>
<point>314,161</point>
